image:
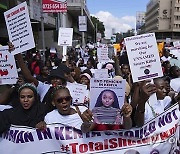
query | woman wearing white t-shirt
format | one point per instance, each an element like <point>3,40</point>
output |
<point>64,113</point>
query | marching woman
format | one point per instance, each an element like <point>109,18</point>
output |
<point>29,113</point>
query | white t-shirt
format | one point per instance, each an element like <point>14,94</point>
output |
<point>158,107</point>
<point>73,120</point>
<point>42,89</point>
<point>175,84</point>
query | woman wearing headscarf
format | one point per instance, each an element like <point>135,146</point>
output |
<point>29,113</point>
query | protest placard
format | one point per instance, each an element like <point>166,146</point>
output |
<point>158,136</point>
<point>65,36</point>
<point>102,54</point>
<point>101,73</point>
<point>176,44</point>
<point>78,92</point>
<point>19,28</point>
<point>107,99</point>
<point>8,71</point>
<point>143,57</point>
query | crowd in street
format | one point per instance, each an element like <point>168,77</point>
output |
<point>41,95</point>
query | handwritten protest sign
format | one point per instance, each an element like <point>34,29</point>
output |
<point>160,135</point>
<point>19,28</point>
<point>8,71</point>
<point>107,99</point>
<point>143,57</point>
<point>78,92</point>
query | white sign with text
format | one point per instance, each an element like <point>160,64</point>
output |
<point>78,92</point>
<point>102,53</point>
<point>65,36</point>
<point>19,28</point>
<point>143,57</point>
<point>8,70</point>
<point>101,73</point>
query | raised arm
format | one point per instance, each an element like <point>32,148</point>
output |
<point>25,71</point>
<point>146,90</point>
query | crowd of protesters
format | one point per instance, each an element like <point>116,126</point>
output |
<point>41,97</point>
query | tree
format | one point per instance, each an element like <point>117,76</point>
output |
<point>99,24</point>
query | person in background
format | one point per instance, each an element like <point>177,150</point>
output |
<point>44,75</point>
<point>175,78</point>
<point>166,68</point>
<point>36,65</point>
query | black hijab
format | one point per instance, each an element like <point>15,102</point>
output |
<point>21,116</point>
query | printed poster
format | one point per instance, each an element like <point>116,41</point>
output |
<point>143,57</point>
<point>19,28</point>
<point>106,100</point>
<point>8,70</point>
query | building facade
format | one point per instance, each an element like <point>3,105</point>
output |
<point>163,18</point>
<point>51,21</point>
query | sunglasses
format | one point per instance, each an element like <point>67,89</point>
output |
<point>61,99</point>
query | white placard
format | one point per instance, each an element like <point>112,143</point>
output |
<point>176,44</point>
<point>78,92</point>
<point>102,53</point>
<point>65,36</point>
<point>82,23</point>
<point>143,57</point>
<point>19,28</point>
<point>101,73</point>
<point>107,99</point>
<point>8,70</point>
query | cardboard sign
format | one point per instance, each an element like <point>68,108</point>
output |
<point>54,6</point>
<point>19,28</point>
<point>65,36</point>
<point>143,57</point>
<point>8,71</point>
<point>78,92</point>
<point>106,100</point>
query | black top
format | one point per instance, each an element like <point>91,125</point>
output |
<point>20,116</point>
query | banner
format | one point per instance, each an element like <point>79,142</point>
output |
<point>19,28</point>
<point>82,23</point>
<point>158,136</point>
<point>8,70</point>
<point>54,6</point>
